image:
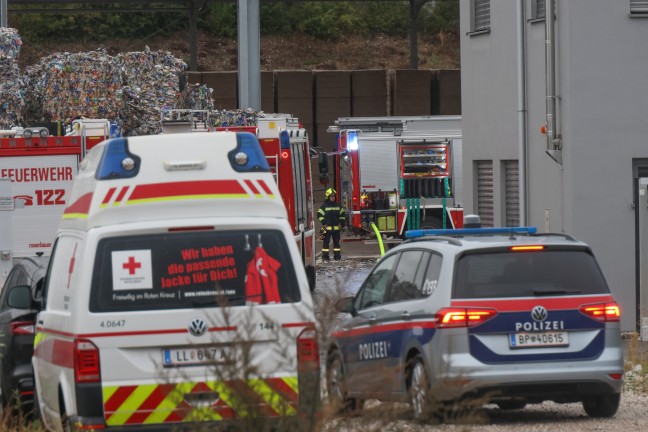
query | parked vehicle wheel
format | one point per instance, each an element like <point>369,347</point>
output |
<point>512,404</point>
<point>418,386</point>
<point>337,387</point>
<point>311,275</point>
<point>433,223</point>
<point>66,424</point>
<point>602,405</point>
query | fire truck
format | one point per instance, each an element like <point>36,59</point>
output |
<point>398,173</point>
<point>286,146</point>
<point>36,170</point>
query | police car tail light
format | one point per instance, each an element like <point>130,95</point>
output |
<point>307,349</point>
<point>463,317</point>
<point>604,312</point>
<point>117,162</point>
<point>86,362</point>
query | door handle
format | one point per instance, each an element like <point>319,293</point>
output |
<point>372,319</point>
<point>406,315</point>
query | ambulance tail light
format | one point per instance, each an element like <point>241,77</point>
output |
<point>307,350</point>
<point>463,317</point>
<point>117,162</point>
<point>86,362</point>
<point>248,156</point>
<point>308,373</point>
<point>604,312</point>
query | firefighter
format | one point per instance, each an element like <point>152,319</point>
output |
<point>332,216</point>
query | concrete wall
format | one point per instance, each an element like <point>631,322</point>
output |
<point>602,111</point>
<point>318,98</point>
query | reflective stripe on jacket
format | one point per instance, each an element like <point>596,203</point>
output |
<point>331,214</point>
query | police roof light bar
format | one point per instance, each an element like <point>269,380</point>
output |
<point>469,231</point>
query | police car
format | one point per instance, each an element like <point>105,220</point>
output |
<point>494,315</point>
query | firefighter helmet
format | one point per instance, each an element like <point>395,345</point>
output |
<point>330,191</point>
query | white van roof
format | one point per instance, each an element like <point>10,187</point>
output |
<point>173,176</point>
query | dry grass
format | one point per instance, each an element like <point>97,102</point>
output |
<point>280,53</point>
<point>636,364</point>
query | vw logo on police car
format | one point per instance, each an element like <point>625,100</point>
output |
<point>539,313</point>
<point>197,327</point>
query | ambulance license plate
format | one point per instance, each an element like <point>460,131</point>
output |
<point>196,356</point>
<point>538,340</point>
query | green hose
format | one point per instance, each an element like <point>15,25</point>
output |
<point>379,237</point>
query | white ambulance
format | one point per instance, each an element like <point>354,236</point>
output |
<point>175,293</point>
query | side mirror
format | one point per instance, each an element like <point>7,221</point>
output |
<point>345,305</point>
<point>322,160</point>
<point>19,297</point>
<point>324,179</point>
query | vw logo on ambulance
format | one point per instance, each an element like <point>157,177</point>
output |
<point>197,327</point>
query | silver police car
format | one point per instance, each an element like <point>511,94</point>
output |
<point>494,315</point>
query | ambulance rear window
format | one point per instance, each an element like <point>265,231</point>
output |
<point>192,270</point>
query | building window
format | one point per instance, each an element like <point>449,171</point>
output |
<point>538,9</point>
<point>480,15</point>
<point>639,8</point>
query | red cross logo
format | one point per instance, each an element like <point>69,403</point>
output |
<point>131,265</point>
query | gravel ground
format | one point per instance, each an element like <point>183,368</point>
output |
<point>545,417</point>
<point>337,279</point>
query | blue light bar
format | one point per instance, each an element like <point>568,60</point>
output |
<point>284,139</point>
<point>470,231</point>
<point>248,144</point>
<point>352,140</point>
<point>117,162</point>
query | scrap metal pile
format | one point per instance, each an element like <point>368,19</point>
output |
<point>131,89</point>
<point>11,84</point>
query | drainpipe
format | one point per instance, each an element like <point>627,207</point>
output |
<point>554,141</point>
<point>522,111</point>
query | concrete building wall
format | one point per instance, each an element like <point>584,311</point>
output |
<point>602,110</point>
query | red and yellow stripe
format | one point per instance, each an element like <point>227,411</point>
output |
<point>171,403</point>
<point>174,191</point>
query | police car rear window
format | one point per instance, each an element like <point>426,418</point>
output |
<point>523,274</point>
<point>192,270</point>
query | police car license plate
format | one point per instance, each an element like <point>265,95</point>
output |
<point>538,340</point>
<point>196,356</point>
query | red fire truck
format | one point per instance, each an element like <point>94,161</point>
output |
<point>38,170</point>
<point>401,173</point>
<point>285,143</point>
